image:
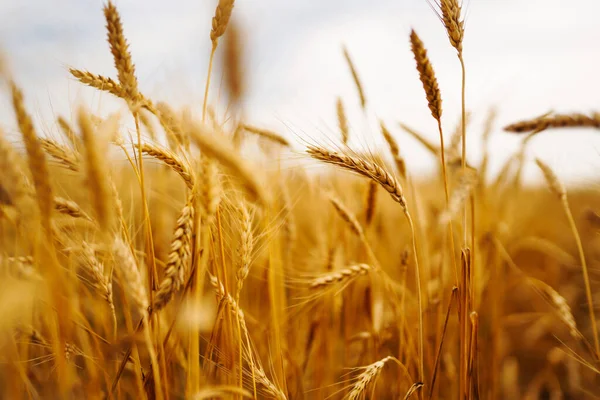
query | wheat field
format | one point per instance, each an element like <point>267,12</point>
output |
<point>169,253</point>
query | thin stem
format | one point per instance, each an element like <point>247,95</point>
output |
<point>439,353</point>
<point>153,358</point>
<point>419,298</point>
<point>210,63</point>
<point>464,136</point>
<point>446,192</point>
<point>586,279</point>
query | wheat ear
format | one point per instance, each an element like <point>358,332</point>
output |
<point>342,121</point>
<point>453,22</point>
<point>215,146</point>
<point>394,149</point>
<point>66,156</point>
<point>120,51</point>
<point>36,158</point>
<point>99,186</point>
<point>370,374</point>
<point>427,76</point>
<point>354,72</point>
<point>11,177</point>
<point>246,247</point>
<point>269,135</point>
<point>179,256</point>
<point>342,276</point>
<point>173,161</point>
<point>555,121</point>
<point>362,167</point>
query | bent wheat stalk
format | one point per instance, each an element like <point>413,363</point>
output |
<point>559,190</point>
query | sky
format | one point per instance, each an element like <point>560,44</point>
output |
<point>523,57</point>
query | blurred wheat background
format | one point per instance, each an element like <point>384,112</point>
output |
<point>260,199</point>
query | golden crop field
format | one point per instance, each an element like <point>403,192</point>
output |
<point>202,267</point>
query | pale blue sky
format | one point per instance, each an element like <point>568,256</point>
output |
<point>525,56</point>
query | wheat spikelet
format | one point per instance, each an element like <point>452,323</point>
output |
<point>270,135</point>
<point>359,87</point>
<point>99,82</point>
<point>94,270</point>
<point>69,133</point>
<point>394,149</point>
<point>11,178</point>
<point>210,189</point>
<point>179,256</point>
<point>456,137</point>
<point>555,121</point>
<point>233,64</point>
<point>342,121</point>
<point>36,158</point>
<point>215,146</point>
<point>369,374</point>
<point>67,157</point>
<point>413,389</point>
<point>362,167</point>
<point>172,126</point>
<point>370,202</point>
<point>173,161</point>
<point>466,183</point>
<point>551,179</point>
<point>451,18</point>
<point>257,370</point>
<point>427,76</point>
<point>129,274</point>
<point>347,216</point>
<point>96,171</point>
<point>68,207</point>
<point>246,247</point>
<point>341,276</point>
<point>433,149</point>
<point>221,19</point>
<point>22,267</point>
<point>562,307</point>
<point>120,51</point>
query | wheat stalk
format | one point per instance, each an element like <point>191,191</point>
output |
<point>558,188</point>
